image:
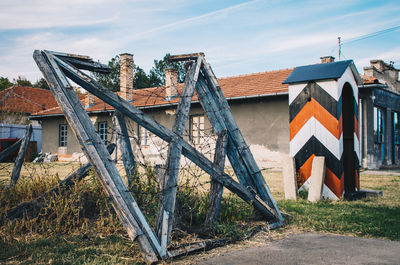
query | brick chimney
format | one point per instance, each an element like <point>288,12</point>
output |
<point>385,73</point>
<point>89,100</point>
<point>171,83</point>
<point>327,59</point>
<point>126,75</point>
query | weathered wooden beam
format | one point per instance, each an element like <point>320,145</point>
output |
<point>125,146</point>
<point>239,142</point>
<point>11,149</point>
<point>31,209</point>
<point>216,189</point>
<point>197,246</point>
<point>88,65</point>
<point>215,115</point>
<point>168,195</point>
<point>21,156</point>
<point>94,148</point>
<point>144,120</point>
<point>185,57</point>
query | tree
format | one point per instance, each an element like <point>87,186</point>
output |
<point>157,73</point>
<point>4,83</point>
<point>22,81</point>
<point>41,83</point>
<point>140,79</point>
<point>111,80</point>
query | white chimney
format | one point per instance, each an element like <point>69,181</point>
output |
<point>126,75</point>
<point>171,83</point>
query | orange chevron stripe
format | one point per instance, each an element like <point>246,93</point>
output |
<point>356,126</point>
<point>314,109</point>
<point>335,184</point>
<point>341,124</point>
<point>304,171</point>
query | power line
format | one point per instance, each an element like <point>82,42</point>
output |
<point>370,35</point>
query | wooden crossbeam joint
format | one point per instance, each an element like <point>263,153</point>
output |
<point>185,57</point>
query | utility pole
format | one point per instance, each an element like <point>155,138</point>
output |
<point>340,47</point>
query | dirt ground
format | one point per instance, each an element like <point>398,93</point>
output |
<point>313,248</point>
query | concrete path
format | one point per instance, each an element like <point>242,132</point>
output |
<point>311,248</point>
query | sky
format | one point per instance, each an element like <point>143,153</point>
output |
<point>237,37</point>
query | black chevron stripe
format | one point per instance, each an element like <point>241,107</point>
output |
<point>312,90</point>
<point>313,146</point>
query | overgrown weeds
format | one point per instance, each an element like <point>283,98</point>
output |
<point>85,211</point>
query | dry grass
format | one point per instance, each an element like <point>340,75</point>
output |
<point>75,237</point>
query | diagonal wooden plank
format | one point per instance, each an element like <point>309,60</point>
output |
<point>11,149</point>
<point>123,202</point>
<point>125,146</point>
<point>20,157</point>
<point>237,138</point>
<point>215,115</point>
<point>168,196</point>
<point>144,120</point>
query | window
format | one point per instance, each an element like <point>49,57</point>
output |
<point>102,131</point>
<point>143,135</point>
<point>62,135</point>
<point>196,128</point>
<point>396,127</point>
<point>378,125</point>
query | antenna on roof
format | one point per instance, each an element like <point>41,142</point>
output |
<point>340,47</point>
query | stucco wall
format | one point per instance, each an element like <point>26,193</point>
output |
<point>264,124</point>
<point>50,133</point>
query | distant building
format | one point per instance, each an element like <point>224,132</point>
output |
<point>380,115</point>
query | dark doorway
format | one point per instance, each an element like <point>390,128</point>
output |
<point>348,139</point>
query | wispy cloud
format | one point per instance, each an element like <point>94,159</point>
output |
<point>191,20</point>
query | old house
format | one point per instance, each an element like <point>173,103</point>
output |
<point>258,102</point>
<point>17,103</point>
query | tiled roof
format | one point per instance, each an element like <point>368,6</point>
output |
<point>265,83</point>
<point>26,99</point>
<point>367,80</point>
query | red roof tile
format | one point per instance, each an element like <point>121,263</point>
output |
<point>367,80</point>
<point>26,99</point>
<point>237,86</point>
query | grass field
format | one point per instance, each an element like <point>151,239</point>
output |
<point>103,241</point>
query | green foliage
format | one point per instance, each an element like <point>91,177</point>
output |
<point>156,77</point>
<point>22,81</point>
<point>4,83</point>
<point>111,80</point>
<point>157,73</point>
<point>41,83</point>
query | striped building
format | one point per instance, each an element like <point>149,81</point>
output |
<point>323,114</point>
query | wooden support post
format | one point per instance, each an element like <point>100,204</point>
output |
<point>168,196</point>
<point>32,208</point>
<point>216,188</point>
<point>237,138</point>
<point>94,148</point>
<point>11,149</point>
<point>21,156</point>
<point>144,120</point>
<point>125,146</point>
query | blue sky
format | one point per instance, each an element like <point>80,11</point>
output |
<point>237,37</point>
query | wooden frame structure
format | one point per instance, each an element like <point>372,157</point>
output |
<point>252,188</point>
